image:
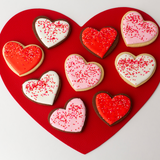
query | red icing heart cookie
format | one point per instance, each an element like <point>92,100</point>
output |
<point>136,32</point>
<point>22,60</point>
<point>71,118</point>
<point>111,109</point>
<point>99,43</point>
<point>81,75</point>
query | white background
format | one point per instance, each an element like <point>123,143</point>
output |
<point>21,138</point>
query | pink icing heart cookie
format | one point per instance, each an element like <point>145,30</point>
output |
<point>22,60</point>
<point>69,119</point>
<point>136,32</point>
<point>50,33</point>
<point>45,90</point>
<point>135,70</point>
<point>82,75</point>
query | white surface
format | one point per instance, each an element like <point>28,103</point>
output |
<point>21,138</point>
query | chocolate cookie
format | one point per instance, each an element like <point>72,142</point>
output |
<point>109,109</point>
<point>51,33</point>
<point>99,43</point>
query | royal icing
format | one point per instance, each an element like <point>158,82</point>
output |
<point>82,75</point>
<point>71,119</point>
<point>113,109</point>
<point>136,70</point>
<point>51,33</point>
<point>22,59</point>
<point>42,91</point>
<point>135,30</point>
<point>99,42</point>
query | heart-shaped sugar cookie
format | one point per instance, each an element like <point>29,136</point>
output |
<point>135,70</point>
<point>50,33</point>
<point>136,32</point>
<point>111,109</point>
<point>99,43</point>
<point>43,91</point>
<point>82,75</point>
<point>22,60</point>
<point>71,118</point>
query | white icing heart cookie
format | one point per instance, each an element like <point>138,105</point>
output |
<point>82,75</point>
<point>71,118</point>
<point>135,70</point>
<point>43,91</point>
<point>136,32</point>
<point>50,33</point>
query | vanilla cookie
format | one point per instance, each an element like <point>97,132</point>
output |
<point>82,75</point>
<point>136,32</point>
<point>22,60</point>
<point>135,70</point>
